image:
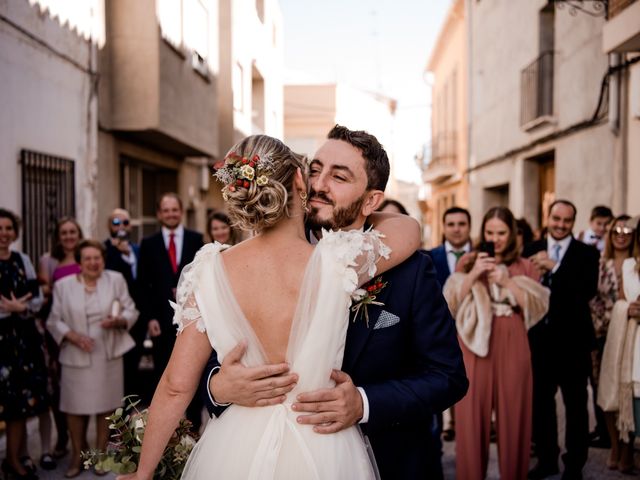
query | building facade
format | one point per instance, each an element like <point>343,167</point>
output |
<point>445,165</point>
<point>109,103</point>
<point>540,111</point>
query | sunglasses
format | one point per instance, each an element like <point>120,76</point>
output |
<point>116,222</point>
<point>623,230</point>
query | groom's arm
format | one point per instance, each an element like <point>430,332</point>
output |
<point>439,380</point>
<point>232,382</point>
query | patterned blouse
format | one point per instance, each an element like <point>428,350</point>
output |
<point>602,304</point>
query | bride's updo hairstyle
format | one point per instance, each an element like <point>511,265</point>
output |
<point>258,179</point>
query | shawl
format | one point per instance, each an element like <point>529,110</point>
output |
<point>474,312</point>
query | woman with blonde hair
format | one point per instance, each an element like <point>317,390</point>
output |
<point>494,304</point>
<point>619,384</point>
<point>288,300</point>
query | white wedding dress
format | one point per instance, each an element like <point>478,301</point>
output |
<point>267,442</point>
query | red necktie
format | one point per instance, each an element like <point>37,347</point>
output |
<point>172,253</point>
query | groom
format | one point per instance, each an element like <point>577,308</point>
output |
<point>399,369</point>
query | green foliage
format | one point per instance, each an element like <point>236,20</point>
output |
<point>122,455</point>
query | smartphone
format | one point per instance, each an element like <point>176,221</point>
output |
<point>488,248</point>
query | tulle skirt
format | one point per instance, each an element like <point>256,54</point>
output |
<point>267,443</point>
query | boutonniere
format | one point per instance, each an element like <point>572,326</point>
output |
<point>367,296</point>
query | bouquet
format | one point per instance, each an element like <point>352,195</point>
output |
<point>128,425</point>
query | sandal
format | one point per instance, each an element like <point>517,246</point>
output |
<point>47,462</point>
<point>59,452</point>
<point>27,463</point>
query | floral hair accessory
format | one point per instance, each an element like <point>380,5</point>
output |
<point>241,172</point>
<point>367,296</point>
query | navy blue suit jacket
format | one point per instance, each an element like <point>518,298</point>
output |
<point>409,370</point>
<point>439,257</point>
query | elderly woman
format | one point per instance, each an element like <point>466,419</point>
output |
<point>619,386</point>
<point>90,318</point>
<point>23,375</point>
<point>494,304</point>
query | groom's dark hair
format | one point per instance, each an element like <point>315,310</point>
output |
<point>376,161</point>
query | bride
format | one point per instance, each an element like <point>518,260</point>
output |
<point>289,301</point>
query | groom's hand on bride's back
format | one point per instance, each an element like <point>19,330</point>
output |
<point>251,386</point>
<point>330,410</point>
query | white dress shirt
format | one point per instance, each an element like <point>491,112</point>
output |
<point>178,239</point>
<point>451,257</point>
<point>590,238</point>
<point>564,245</point>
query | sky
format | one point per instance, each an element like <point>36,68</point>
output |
<point>376,45</point>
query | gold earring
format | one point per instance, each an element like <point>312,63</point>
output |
<point>303,197</point>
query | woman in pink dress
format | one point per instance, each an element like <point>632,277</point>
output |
<point>494,304</point>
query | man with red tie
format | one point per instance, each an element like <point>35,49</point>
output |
<point>162,257</point>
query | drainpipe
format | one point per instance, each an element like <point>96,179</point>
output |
<point>614,95</point>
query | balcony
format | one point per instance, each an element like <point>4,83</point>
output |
<point>621,33</point>
<point>444,158</point>
<point>155,92</point>
<point>536,92</point>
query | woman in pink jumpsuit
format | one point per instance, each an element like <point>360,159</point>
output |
<point>494,304</point>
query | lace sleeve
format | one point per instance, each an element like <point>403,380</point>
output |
<point>357,253</point>
<point>185,308</point>
<point>187,313</point>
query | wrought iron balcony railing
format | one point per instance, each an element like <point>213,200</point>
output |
<point>536,89</point>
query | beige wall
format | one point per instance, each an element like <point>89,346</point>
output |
<point>633,142</point>
<point>585,162</point>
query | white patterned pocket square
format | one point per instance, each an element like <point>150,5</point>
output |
<point>386,319</point>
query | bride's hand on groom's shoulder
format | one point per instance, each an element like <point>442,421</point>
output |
<point>331,409</point>
<point>251,386</point>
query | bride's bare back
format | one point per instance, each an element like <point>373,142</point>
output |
<point>265,278</point>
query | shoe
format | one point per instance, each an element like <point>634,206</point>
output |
<point>599,441</point>
<point>449,435</point>
<point>47,462</point>
<point>10,472</point>
<point>27,463</point>
<point>571,475</point>
<point>541,471</point>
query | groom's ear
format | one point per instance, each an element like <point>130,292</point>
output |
<point>372,201</point>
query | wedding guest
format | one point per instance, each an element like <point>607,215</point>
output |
<point>53,266</point>
<point>23,378</point>
<point>619,385</point>
<point>91,314</point>
<point>122,256</point>
<point>220,229</point>
<point>525,234</point>
<point>599,220</point>
<point>494,303</point>
<point>618,247</point>
<point>392,206</point>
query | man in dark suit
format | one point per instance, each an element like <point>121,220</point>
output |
<point>163,255</point>
<point>121,255</point>
<point>398,370</point>
<point>562,342</point>
<point>456,230</point>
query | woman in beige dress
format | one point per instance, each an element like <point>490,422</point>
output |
<point>91,315</point>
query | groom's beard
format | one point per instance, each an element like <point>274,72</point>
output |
<point>342,217</point>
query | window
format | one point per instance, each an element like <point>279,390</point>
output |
<point>196,27</point>
<point>260,9</point>
<point>48,193</point>
<point>141,185</point>
<point>170,18</point>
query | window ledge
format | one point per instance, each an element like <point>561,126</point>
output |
<point>542,121</point>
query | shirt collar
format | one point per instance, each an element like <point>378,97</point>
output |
<point>450,248</point>
<point>177,232</point>
<point>564,243</point>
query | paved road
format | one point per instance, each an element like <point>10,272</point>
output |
<point>595,469</point>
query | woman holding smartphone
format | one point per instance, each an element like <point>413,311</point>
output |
<point>495,297</point>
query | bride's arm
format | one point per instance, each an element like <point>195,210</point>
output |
<point>173,394</point>
<point>401,235</point>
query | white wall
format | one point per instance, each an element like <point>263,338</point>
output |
<point>48,103</point>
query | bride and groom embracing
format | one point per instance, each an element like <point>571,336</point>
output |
<point>287,303</point>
